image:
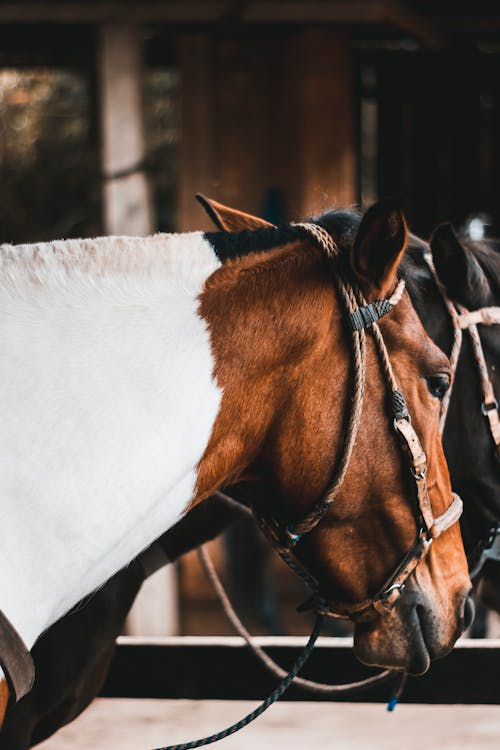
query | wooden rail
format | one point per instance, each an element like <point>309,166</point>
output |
<point>224,668</point>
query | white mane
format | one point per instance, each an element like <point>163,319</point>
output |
<point>106,405</point>
<point>181,259</point>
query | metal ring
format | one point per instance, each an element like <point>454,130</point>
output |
<point>485,408</point>
<point>394,587</point>
<point>418,474</point>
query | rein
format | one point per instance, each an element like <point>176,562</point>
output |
<point>466,320</point>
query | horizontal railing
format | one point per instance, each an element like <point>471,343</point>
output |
<point>223,668</point>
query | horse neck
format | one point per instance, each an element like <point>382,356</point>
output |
<point>280,306</point>
<point>107,401</point>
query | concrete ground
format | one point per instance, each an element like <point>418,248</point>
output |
<point>117,724</point>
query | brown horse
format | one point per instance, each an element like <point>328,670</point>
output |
<point>281,357</point>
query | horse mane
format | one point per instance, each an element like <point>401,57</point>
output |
<point>484,275</point>
<point>341,224</point>
<point>234,245</point>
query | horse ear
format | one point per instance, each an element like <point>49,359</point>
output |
<point>229,219</point>
<point>378,248</point>
<point>450,259</point>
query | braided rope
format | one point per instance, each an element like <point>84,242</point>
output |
<point>275,695</point>
<point>457,340</point>
<point>318,688</point>
<point>464,320</point>
<point>478,352</point>
<point>326,244</point>
<point>353,299</point>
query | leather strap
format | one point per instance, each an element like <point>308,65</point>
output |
<point>15,660</point>
<point>418,463</point>
<point>486,316</point>
<point>490,410</point>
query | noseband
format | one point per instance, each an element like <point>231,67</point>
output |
<point>466,320</point>
<point>285,536</point>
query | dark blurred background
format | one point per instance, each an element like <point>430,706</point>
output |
<point>114,114</point>
<point>281,107</point>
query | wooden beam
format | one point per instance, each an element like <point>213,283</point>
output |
<point>427,31</point>
<point>347,12</point>
<point>196,11</point>
<point>127,204</point>
<point>224,668</point>
<point>323,100</point>
<point>197,112</point>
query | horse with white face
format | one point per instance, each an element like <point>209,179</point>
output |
<point>138,376</point>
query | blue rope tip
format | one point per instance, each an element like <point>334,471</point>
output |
<point>294,537</point>
<point>393,702</point>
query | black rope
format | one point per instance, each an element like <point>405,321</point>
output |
<point>366,316</point>
<point>398,404</point>
<point>275,695</point>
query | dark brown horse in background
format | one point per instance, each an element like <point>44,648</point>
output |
<point>470,274</point>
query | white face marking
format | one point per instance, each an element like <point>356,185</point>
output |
<point>107,403</point>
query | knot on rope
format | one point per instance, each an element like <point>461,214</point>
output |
<point>366,316</point>
<point>398,405</point>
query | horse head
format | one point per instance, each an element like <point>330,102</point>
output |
<point>286,356</point>
<point>470,274</point>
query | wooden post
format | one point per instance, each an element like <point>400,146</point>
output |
<point>196,158</point>
<point>267,113</point>
<point>127,204</point>
<point>325,111</point>
<point>127,210</point>
<point>156,610</point>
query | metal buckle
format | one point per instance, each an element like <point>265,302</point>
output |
<point>485,408</point>
<point>394,587</point>
<point>419,474</point>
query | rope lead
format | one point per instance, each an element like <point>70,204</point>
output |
<point>275,695</point>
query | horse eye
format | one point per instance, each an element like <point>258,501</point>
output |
<point>438,385</point>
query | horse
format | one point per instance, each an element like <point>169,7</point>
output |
<point>469,274</point>
<point>135,358</point>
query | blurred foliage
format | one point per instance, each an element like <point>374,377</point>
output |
<point>50,177</point>
<point>49,184</point>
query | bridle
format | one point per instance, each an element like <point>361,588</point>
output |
<point>15,657</point>
<point>285,535</point>
<point>466,320</point>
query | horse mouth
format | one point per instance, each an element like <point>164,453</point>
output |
<point>409,639</point>
<point>406,649</point>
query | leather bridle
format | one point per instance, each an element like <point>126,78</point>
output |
<point>468,320</point>
<point>15,658</point>
<point>284,535</point>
